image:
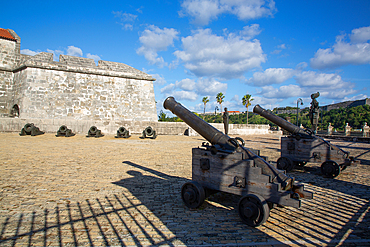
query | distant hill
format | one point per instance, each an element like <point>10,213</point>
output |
<point>345,104</point>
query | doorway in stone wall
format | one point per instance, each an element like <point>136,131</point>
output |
<point>14,112</point>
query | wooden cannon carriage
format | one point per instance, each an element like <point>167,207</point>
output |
<point>302,146</point>
<point>224,164</point>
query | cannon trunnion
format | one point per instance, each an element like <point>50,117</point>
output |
<point>303,146</point>
<point>226,165</point>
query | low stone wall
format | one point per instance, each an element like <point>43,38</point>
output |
<point>135,127</point>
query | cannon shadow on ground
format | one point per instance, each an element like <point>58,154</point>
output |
<point>148,212</point>
<point>330,219</point>
<point>212,224</point>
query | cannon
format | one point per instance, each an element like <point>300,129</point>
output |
<point>64,131</point>
<point>94,132</point>
<point>122,133</point>
<point>224,164</point>
<point>30,129</point>
<point>302,146</point>
<point>149,133</point>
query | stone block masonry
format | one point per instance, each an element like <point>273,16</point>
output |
<point>73,88</point>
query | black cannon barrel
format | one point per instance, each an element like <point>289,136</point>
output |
<point>291,128</point>
<point>211,134</point>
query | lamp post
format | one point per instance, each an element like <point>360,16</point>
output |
<point>298,100</point>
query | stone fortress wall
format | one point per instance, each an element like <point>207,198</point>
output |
<point>73,88</point>
<point>79,94</point>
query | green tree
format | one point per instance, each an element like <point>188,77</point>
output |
<point>247,102</point>
<point>220,98</point>
<point>162,116</point>
<point>205,100</point>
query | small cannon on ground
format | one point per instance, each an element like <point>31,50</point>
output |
<point>64,131</point>
<point>122,133</point>
<point>149,133</point>
<point>30,129</point>
<point>303,146</point>
<point>226,165</point>
<point>94,132</point>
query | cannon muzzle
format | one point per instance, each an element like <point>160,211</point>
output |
<point>291,128</point>
<point>211,134</point>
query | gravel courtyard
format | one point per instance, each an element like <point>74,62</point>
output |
<point>78,191</point>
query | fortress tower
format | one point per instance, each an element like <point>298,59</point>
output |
<point>37,87</point>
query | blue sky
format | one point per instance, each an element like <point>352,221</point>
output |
<point>277,51</point>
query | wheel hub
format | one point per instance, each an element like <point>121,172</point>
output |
<point>249,210</point>
<point>328,169</point>
<point>189,195</point>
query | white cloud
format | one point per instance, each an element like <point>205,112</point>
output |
<point>266,103</point>
<point>282,92</point>
<point>124,16</point>
<point>271,76</point>
<point>203,11</point>
<point>252,9</point>
<point>313,79</point>
<point>301,66</point>
<point>275,52</point>
<point>185,95</point>
<point>206,54</point>
<point>329,85</point>
<point>360,35</point>
<point>128,27</point>
<point>186,84</point>
<point>191,90</point>
<point>126,19</point>
<point>95,57</point>
<point>74,51</point>
<point>159,80</point>
<point>356,97</point>
<point>210,87</point>
<point>235,98</point>
<point>29,52</point>
<point>250,31</point>
<point>280,49</point>
<point>168,88</point>
<point>343,53</point>
<point>154,40</point>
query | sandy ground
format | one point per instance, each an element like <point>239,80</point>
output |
<point>108,191</point>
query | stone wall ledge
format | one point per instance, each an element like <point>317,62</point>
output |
<point>135,127</point>
<point>79,69</point>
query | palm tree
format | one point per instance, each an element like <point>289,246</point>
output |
<point>205,100</point>
<point>247,102</point>
<point>220,98</point>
